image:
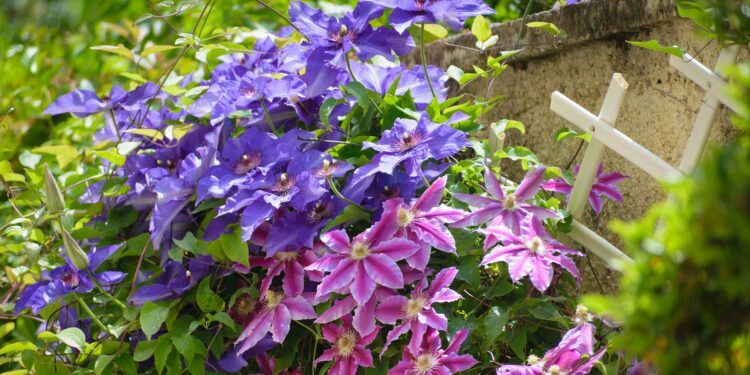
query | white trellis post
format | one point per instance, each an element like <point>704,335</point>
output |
<point>715,86</point>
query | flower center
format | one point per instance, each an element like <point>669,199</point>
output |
<point>389,193</point>
<point>328,169</point>
<point>554,370</point>
<point>244,304</point>
<point>510,202</point>
<point>582,314</point>
<point>360,250</point>
<point>286,256</point>
<point>71,279</point>
<point>404,217</point>
<point>273,299</point>
<point>425,363</point>
<point>536,245</point>
<point>346,342</point>
<point>248,162</point>
<point>414,306</point>
<point>248,91</point>
<point>319,212</point>
<point>284,184</point>
<point>532,360</point>
<point>408,141</point>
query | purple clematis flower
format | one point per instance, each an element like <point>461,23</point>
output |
<point>380,80</point>
<point>370,259</point>
<point>532,252</point>
<point>501,208</point>
<point>430,359</point>
<point>451,12</point>
<point>423,223</point>
<point>604,186</point>
<point>82,103</point>
<point>334,38</point>
<point>66,279</point>
<point>349,349</point>
<point>176,280</point>
<point>275,317</point>
<point>412,143</point>
<point>416,313</point>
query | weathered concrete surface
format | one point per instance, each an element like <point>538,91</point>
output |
<point>659,108</point>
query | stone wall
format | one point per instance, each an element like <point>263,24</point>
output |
<point>658,111</point>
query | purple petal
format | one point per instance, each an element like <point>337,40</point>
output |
<point>530,184</point>
<point>339,278</point>
<point>363,286</point>
<point>384,271</point>
<point>390,309</point>
<point>396,249</point>
<point>282,320</point>
<point>432,196</point>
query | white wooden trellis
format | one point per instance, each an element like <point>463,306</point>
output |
<point>603,134</point>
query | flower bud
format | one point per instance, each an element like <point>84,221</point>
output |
<point>74,252</point>
<point>55,199</point>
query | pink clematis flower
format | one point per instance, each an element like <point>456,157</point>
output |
<point>530,253</point>
<point>267,365</point>
<point>275,316</point>
<point>501,208</point>
<point>604,186</point>
<point>359,265</point>
<point>423,223</point>
<point>292,263</point>
<point>574,355</point>
<point>416,313</point>
<point>349,350</point>
<point>430,359</point>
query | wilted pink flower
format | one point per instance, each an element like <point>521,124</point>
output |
<point>416,313</point>
<point>349,350</point>
<point>532,252</point>
<point>423,223</point>
<point>430,359</point>
<point>369,260</point>
<point>276,317</point>
<point>504,209</point>
<point>604,186</point>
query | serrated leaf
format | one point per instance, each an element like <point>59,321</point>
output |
<point>73,337</point>
<point>152,317</point>
<point>208,301</point>
<point>654,45</point>
<point>546,26</point>
<point>480,28</point>
<point>117,50</point>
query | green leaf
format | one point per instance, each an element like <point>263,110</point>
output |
<point>654,45</point>
<point>208,301</point>
<point>503,125</point>
<point>188,243</point>
<point>360,92</point>
<point>546,26</point>
<point>490,42</point>
<point>7,173</point>
<point>349,214</point>
<point>468,270</point>
<point>161,353</point>
<point>223,318</point>
<point>494,323</point>
<point>326,109</point>
<point>118,50</point>
<point>102,362</point>
<point>434,31</point>
<point>73,337</point>
<point>156,49</point>
<point>17,347</point>
<point>144,350</point>
<point>111,156</point>
<point>234,248</point>
<point>517,341</point>
<point>480,28</point>
<point>149,133</point>
<point>63,153</point>
<point>546,311</point>
<point>134,77</point>
<point>152,317</point>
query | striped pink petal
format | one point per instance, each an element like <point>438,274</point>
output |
<point>384,271</point>
<point>432,196</point>
<point>396,249</point>
<point>337,241</point>
<point>363,285</point>
<point>391,309</point>
<point>339,278</point>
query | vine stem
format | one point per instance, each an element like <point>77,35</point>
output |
<point>336,192</point>
<point>91,314</point>
<point>103,291</point>
<point>138,269</point>
<point>268,118</point>
<point>424,61</point>
<point>317,336</point>
<point>283,17</point>
<point>349,68</point>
